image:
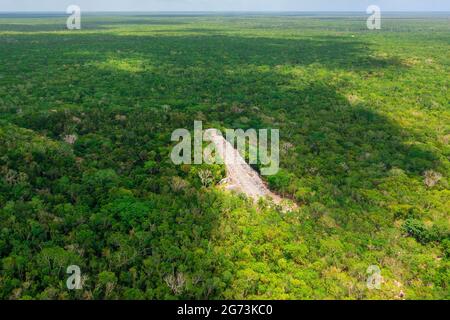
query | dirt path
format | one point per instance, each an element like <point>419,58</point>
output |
<point>240,176</point>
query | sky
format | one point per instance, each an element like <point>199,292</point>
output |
<point>225,5</point>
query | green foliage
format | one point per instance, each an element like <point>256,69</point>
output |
<point>86,178</point>
<point>418,230</point>
<point>280,181</point>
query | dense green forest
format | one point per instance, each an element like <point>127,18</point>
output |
<point>86,118</point>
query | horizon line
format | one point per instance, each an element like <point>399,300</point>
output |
<point>222,11</point>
